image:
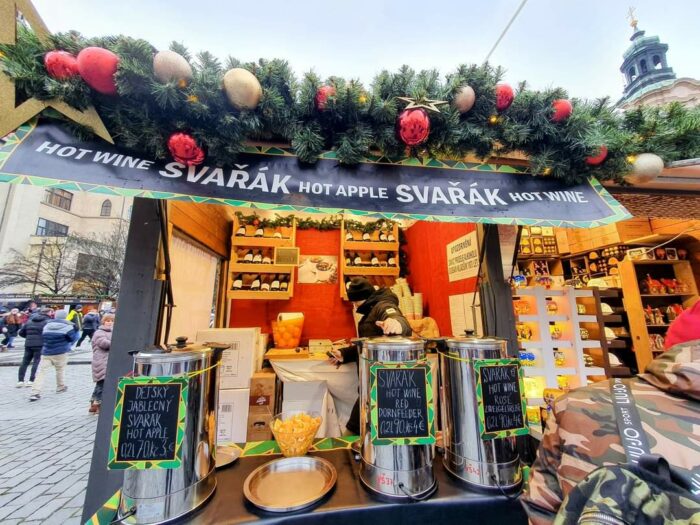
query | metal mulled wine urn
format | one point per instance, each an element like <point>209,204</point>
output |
<point>392,472</point>
<point>162,495</point>
<point>486,464</point>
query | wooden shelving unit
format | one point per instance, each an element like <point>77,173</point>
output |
<point>382,275</point>
<point>240,243</point>
<point>631,272</point>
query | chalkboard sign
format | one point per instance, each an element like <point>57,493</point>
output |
<point>401,404</point>
<point>499,391</point>
<point>149,423</point>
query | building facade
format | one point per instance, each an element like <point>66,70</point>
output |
<point>32,214</point>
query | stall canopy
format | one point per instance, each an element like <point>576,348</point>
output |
<point>272,178</point>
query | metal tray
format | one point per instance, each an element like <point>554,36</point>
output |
<point>225,456</point>
<point>289,484</point>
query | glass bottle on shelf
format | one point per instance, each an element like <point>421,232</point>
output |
<point>382,236</point>
<point>374,259</point>
<point>259,232</point>
<point>348,259</point>
<point>255,285</point>
<point>349,236</point>
<point>265,284</point>
<point>257,258</point>
<point>390,237</point>
<point>275,285</point>
<point>284,283</point>
<point>248,257</point>
<point>392,260</point>
<point>266,258</point>
<point>240,232</point>
<point>357,261</point>
<point>366,236</point>
<point>237,282</point>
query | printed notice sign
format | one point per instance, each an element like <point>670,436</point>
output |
<point>463,257</point>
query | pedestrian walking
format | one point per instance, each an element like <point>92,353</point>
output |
<point>59,335</point>
<point>13,322</point>
<point>101,343</point>
<point>32,332</point>
<point>90,323</point>
<point>75,316</point>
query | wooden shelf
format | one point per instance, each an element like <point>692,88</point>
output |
<point>615,343</point>
<point>591,343</point>
<point>639,263</point>
<point>260,242</point>
<point>658,325</point>
<point>555,318</point>
<point>587,319</point>
<point>594,370</point>
<point>269,296</point>
<point>612,318</point>
<point>666,294</point>
<point>371,246</point>
<point>260,268</point>
<point>371,270</point>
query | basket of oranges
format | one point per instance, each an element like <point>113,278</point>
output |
<point>287,332</point>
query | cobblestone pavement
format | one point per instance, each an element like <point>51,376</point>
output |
<point>45,448</point>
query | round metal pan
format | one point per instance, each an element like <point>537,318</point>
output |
<point>289,484</point>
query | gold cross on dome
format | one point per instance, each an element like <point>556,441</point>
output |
<point>13,116</point>
<point>633,20</point>
<point>425,103</point>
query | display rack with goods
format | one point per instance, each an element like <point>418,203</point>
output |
<point>252,272</point>
<point>370,250</point>
<point>656,291</point>
<point>595,263</point>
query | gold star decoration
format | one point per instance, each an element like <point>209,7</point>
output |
<point>425,103</point>
<point>11,115</point>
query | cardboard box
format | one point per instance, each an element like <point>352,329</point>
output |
<point>259,419</point>
<point>232,415</point>
<point>238,362</point>
<point>262,389</point>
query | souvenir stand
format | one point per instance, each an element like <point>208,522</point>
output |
<point>246,171</point>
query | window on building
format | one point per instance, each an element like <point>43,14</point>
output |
<point>59,198</point>
<point>643,66</point>
<point>656,60</point>
<point>106,210</point>
<point>46,228</point>
<point>632,74</point>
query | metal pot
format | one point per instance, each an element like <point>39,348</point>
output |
<point>395,472</point>
<point>160,495</point>
<point>494,463</point>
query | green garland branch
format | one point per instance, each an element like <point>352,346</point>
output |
<point>350,119</point>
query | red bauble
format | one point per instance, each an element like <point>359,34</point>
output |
<point>595,160</point>
<point>185,150</point>
<point>60,65</point>
<point>97,66</point>
<point>322,95</point>
<point>562,110</point>
<point>413,126</point>
<point>504,96</point>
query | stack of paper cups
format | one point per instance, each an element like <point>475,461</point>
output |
<point>398,291</point>
<point>418,305</point>
<point>406,306</point>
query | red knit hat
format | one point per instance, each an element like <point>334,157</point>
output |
<point>685,328</point>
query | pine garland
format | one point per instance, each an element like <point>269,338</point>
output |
<point>356,121</point>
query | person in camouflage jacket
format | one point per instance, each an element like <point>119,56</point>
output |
<point>582,435</point>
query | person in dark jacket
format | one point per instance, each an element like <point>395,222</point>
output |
<point>380,316</point>
<point>34,340</point>
<point>10,328</point>
<point>90,323</point>
<point>59,335</point>
<point>101,344</point>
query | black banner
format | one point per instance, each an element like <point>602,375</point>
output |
<point>282,182</point>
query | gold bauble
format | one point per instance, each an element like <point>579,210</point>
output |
<point>464,99</point>
<point>646,168</point>
<point>242,88</point>
<point>169,66</point>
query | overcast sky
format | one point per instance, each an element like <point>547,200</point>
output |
<point>575,44</point>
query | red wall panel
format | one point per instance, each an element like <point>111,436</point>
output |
<point>326,315</point>
<point>427,256</point>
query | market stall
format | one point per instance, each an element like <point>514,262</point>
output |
<point>246,249</point>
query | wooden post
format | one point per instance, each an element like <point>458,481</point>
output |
<point>134,329</point>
